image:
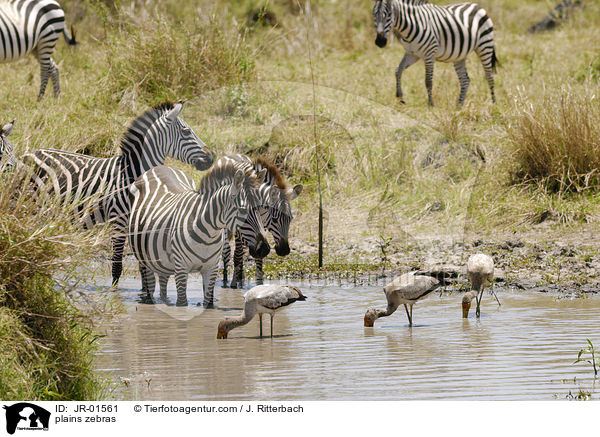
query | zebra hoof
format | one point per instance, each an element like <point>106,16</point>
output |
<point>146,300</point>
<point>181,303</point>
<point>208,304</point>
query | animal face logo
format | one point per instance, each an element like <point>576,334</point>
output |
<point>26,416</point>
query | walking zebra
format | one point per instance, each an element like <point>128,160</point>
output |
<point>33,26</point>
<point>437,33</point>
<point>176,230</point>
<point>7,157</point>
<point>100,186</point>
<point>277,213</point>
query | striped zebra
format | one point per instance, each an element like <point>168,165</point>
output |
<point>277,213</point>
<point>100,186</point>
<point>7,157</point>
<point>33,26</point>
<point>176,230</point>
<point>437,33</point>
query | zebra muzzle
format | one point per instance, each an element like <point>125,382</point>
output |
<point>380,41</point>
<point>203,164</point>
<point>282,248</point>
<point>261,248</point>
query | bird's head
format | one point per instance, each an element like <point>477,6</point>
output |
<point>222,330</point>
<point>370,317</point>
<point>466,305</point>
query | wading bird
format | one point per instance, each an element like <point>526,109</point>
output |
<point>262,299</point>
<point>480,270</point>
<point>405,289</point>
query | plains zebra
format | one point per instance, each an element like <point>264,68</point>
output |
<point>7,157</point>
<point>100,186</point>
<point>437,33</point>
<point>277,215</point>
<point>175,230</point>
<point>33,26</point>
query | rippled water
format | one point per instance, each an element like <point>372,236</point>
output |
<point>522,350</point>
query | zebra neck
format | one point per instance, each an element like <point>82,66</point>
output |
<point>217,213</point>
<point>140,154</point>
<point>403,14</point>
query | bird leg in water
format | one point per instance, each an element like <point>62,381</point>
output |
<point>260,320</point>
<point>494,293</point>
<point>409,315</point>
<point>271,325</point>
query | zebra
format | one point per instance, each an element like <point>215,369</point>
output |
<point>33,26</point>
<point>438,33</point>
<point>277,215</point>
<point>7,157</point>
<point>176,230</point>
<point>99,186</point>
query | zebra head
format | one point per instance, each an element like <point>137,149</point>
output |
<point>383,15</point>
<point>279,216</point>
<point>6,147</point>
<point>184,144</point>
<point>249,222</point>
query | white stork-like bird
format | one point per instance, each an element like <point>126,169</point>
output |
<point>262,299</point>
<point>405,289</point>
<point>480,270</point>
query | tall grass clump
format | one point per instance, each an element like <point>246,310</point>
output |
<point>557,141</point>
<point>46,341</point>
<point>159,60</point>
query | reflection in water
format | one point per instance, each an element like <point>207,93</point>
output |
<point>519,351</point>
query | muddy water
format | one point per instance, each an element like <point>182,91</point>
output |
<point>522,350</point>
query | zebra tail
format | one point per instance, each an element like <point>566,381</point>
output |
<point>70,39</point>
<point>495,62</point>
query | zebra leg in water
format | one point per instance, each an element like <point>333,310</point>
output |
<point>209,275</point>
<point>226,259</point>
<point>118,244</point>
<point>406,62</point>
<point>181,278</point>
<point>163,282</point>
<point>238,263</point>
<point>259,271</point>
<point>148,284</point>
<point>463,79</point>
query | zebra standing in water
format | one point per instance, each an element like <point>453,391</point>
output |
<point>437,33</point>
<point>100,186</point>
<point>176,230</point>
<point>7,157</point>
<point>277,213</point>
<point>33,26</point>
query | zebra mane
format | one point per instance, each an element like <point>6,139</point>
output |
<point>415,2</point>
<point>222,175</point>
<point>138,127</point>
<point>272,170</point>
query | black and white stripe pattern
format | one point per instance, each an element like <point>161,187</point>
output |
<point>33,26</point>
<point>275,209</point>
<point>99,187</point>
<point>175,230</point>
<point>7,155</point>
<point>437,33</point>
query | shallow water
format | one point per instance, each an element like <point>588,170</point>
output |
<point>521,350</point>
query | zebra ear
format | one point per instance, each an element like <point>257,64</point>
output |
<point>237,181</point>
<point>260,176</point>
<point>294,192</point>
<point>7,128</point>
<point>174,113</point>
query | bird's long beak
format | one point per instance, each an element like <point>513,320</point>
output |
<point>465,307</point>
<point>368,322</point>
<point>221,333</point>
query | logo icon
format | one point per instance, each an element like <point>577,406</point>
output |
<point>26,416</point>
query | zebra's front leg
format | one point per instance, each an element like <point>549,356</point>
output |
<point>148,284</point>
<point>118,244</point>
<point>238,263</point>
<point>429,61</point>
<point>406,62</point>
<point>463,79</point>
<point>259,271</point>
<point>209,275</point>
<point>181,278</point>
<point>226,259</point>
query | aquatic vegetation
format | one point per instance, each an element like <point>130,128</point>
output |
<point>593,361</point>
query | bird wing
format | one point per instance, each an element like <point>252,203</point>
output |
<point>412,286</point>
<point>277,296</point>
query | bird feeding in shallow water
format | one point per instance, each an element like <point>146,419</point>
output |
<point>480,270</point>
<point>262,299</point>
<point>405,289</point>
